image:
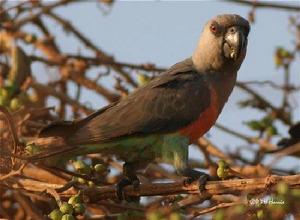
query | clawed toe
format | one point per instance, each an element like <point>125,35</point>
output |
<point>187,181</point>
<point>130,178</point>
<point>122,184</point>
<point>202,181</point>
<point>136,184</point>
<point>193,175</point>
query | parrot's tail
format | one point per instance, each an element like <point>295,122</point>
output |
<point>52,141</point>
<point>58,129</point>
<point>49,153</point>
<point>68,128</point>
<point>55,140</point>
<point>46,147</point>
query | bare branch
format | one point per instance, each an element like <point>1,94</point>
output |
<point>236,186</point>
<point>265,4</point>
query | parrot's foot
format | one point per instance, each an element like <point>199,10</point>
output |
<point>193,175</point>
<point>129,178</point>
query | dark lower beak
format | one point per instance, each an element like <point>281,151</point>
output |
<point>234,43</point>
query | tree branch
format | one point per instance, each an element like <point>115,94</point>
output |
<point>235,186</point>
<point>61,96</point>
<point>232,186</point>
<point>282,115</point>
<point>264,4</point>
<point>43,10</point>
<point>11,127</point>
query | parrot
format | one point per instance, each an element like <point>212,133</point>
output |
<point>159,120</point>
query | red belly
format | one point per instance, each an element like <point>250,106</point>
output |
<point>205,121</point>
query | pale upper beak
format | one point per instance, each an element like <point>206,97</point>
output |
<point>235,42</point>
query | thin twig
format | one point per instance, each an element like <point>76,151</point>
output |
<point>264,4</point>
<point>43,10</point>
<point>60,95</point>
<point>214,208</point>
<point>283,152</point>
<point>100,61</point>
<point>5,10</point>
<point>13,172</point>
<point>67,25</point>
<point>11,127</point>
<point>282,115</point>
<point>30,208</point>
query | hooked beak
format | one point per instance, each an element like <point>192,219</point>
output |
<point>234,43</point>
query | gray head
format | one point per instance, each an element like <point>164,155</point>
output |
<point>222,45</point>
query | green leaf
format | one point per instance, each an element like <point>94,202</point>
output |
<point>254,125</point>
<point>271,130</point>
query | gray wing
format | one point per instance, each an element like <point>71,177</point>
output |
<point>168,103</point>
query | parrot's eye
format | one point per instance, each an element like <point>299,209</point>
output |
<point>213,28</point>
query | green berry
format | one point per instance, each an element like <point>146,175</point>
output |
<point>239,209</point>
<point>32,149</point>
<point>260,214</point>
<point>219,215</point>
<point>3,101</point>
<point>4,96</point>
<point>82,167</point>
<point>91,184</point>
<point>74,199</point>
<point>66,208</point>
<point>81,180</point>
<point>282,188</point>
<point>79,208</point>
<point>79,164</point>
<point>175,216</point>
<point>221,173</point>
<point>222,163</point>
<point>4,93</point>
<point>154,216</point>
<point>296,192</point>
<point>56,214</point>
<point>222,170</point>
<point>99,168</point>
<point>68,217</point>
<point>15,104</point>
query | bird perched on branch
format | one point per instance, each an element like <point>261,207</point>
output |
<point>161,119</point>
